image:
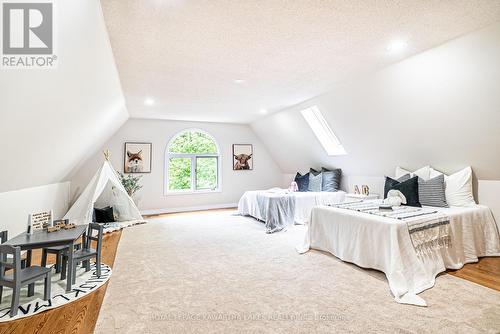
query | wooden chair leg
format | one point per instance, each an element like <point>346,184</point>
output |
<point>64,268</point>
<point>1,291</point>
<point>15,301</point>
<point>44,257</point>
<point>48,283</point>
<point>87,265</point>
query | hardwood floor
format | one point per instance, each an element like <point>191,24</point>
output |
<point>486,272</point>
<point>77,317</point>
<point>201,212</point>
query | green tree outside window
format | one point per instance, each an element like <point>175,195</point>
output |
<point>193,162</point>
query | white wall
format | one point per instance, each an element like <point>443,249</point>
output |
<point>51,119</point>
<point>15,206</point>
<point>488,194</point>
<point>441,107</point>
<point>266,173</point>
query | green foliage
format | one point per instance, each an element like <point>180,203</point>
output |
<point>179,174</point>
<point>130,183</point>
<point>179,170</point>
<point>206,173</point>
<point>193,142</point>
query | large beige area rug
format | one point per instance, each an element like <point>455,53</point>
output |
<point>219,273</point>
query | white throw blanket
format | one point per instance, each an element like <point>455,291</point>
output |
<point>429,229</point>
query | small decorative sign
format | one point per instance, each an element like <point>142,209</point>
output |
<point>39,221</point>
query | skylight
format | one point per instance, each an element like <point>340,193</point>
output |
<point>323,132</point>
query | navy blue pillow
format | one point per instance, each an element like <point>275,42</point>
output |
<point>104,215</point>
<point>302,181</point>
<point>409,188</point>
<point>331,179</point>
<point>390,182</point>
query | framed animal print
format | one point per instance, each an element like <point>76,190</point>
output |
<point>137,158</point>
<point>242,157</point>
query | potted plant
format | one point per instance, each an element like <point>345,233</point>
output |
<point>130,183</point>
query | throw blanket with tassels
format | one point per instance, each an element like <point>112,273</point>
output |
<point>429,229</point>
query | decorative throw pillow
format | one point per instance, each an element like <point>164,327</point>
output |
<point>458,188</point>
<point>390,182</point>
<point>404,178</point>
<point>331,179</point>
<point>315,182</point>
<point>302,181</point>
<point>432,192</point>
<point>435,173</point>
<point>104,215</point>
<point>314,171</point>
<point>423,172</point>
<point>409,188</point>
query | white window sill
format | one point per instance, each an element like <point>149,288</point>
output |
<point>197,192</point>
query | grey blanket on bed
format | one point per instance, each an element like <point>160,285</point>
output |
<point>277,210</point>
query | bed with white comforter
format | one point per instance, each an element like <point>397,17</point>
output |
<point>384,244</point>
<point>280,208</point>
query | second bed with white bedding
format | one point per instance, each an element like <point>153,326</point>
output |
<point>280,208</point>
<point>382,243</point>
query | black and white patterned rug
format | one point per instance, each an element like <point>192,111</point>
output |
<point>86,282</point>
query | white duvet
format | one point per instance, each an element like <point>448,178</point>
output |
<point>384,244</point>
<point>280,207</point>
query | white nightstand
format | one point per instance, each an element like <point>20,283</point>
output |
<point>361,196</point>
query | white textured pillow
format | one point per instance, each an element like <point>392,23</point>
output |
<point>435,173</point>
<point>459,188</point>
<point>423,172</point>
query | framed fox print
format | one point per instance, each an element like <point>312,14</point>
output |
<point>242,157</point>
<point>137,158</point>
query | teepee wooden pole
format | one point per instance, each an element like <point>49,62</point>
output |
<point>106,155</point>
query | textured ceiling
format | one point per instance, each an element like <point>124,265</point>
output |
<point>187,54</point>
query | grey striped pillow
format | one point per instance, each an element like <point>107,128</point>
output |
<point>432,192</point>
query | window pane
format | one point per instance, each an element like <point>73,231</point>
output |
<point>193,142</point>
<point>179,174</point>
<point>206,173</point>
<point>322,130</point>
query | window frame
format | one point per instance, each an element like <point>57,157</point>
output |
<point>192,157</point>
<point>322,131</point>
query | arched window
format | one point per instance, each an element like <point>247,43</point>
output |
<point>192,163</point>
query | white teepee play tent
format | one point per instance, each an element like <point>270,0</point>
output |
<point>105,189</point>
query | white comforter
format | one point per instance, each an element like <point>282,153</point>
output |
<point>384,244</point>
<point>280,208</point>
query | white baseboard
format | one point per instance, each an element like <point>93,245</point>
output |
<point>187,209</point>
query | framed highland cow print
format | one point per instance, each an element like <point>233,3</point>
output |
<point>137,158</point>
<point>242,157</point>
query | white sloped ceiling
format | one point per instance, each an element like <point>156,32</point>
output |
<point>225,61</point>
<point>50,120</point>
<point>441,107</point>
